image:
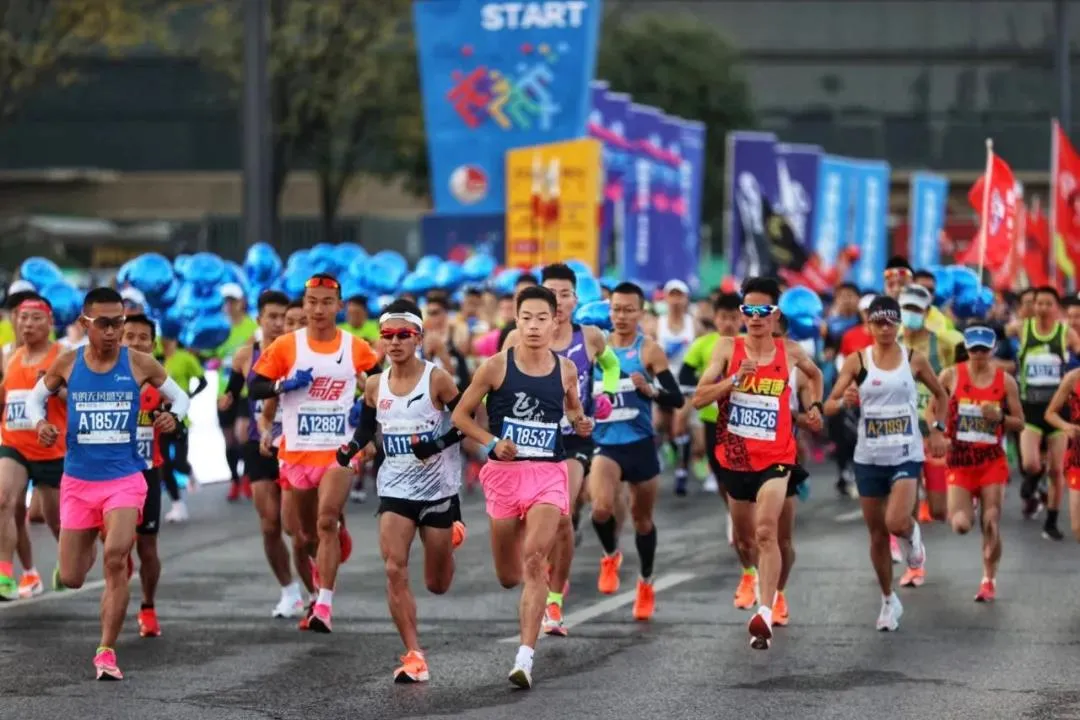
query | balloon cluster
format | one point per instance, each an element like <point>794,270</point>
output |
<point>804,312</point>
<point>50,284</point>
<point>959,287</point>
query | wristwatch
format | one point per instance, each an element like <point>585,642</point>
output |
<point>819,406</point>
<point>937,425</point>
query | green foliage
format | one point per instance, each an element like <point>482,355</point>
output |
<point>686,69</point>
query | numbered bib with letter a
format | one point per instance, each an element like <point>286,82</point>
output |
<point>15,410</point>
<point>754,416</point>
<point>144,436</point>
<point>319,426</point>
<point>888,427</point>
<point>972,427</point>
<point>533,439</point>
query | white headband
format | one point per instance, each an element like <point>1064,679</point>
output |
<point>406,316</point>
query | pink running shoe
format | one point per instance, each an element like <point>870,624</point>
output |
<point>320,619</point>
<point>105,665</point>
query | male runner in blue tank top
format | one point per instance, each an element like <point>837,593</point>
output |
<point>583,346</point>
<point>103,486</point>
<point>626,449</point>
<point>529,389</point>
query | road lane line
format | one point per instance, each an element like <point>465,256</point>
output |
<point>613,603</point>
<point>849,516</point>
<point>52,595</point>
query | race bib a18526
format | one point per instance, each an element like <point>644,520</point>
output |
<point>754,416</point>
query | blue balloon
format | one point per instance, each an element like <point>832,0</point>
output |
<point>206,332</point>
<point>235,274</point>
<point>428,264</point>
<point>376,303</point>
<point>179,264</point>
<point>151,274</point>
<point>588,290</point>
<point>479,267</point>
<point>803,327</point>
<point>504,282</point>
<point>66,303</point>
<point>165,299</point>
<point>449,276</point>
<point>172,323</point>
<point>194,300</point>
<point>801,302</point>
<point>962,278</point>
<point>943,284</point>
<point>392,259</point>
<point>300,258</point>
<point>597,314</point>
<point>579,267</point>
<point>323,259</point>
<point>346,253</point>
<point>262,264</point>
<point>609,283</point>
<point>206,269</point>
<point>123,275</point>
<point>973,302</point>
<point>417,283</point>
<point>40,272</point>
<point>384,278</point>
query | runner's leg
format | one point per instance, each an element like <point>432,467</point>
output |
<point>396,534</point>
<point>119,537</point>
<point>13,481</point>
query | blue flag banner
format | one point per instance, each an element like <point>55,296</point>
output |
<point>926,218</point>
<point>797,170</point>
<point>642,182</point>
<point>607,123</point>
<point>692,181</point>
<point>752,184</point>
<point>496,76</point>
<point>870,213</point>
<point>833,229</point>
<point>670,252</point>
<point>456,237</point>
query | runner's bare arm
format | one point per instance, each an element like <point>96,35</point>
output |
<point>572,400</point>
<point>265,421</point>
<point>151,371</point>
<point>604,357</point>
<point>1073,340</point>
<point>487,377</point>
<point>846,377</point>
<point>1058,402</point>
<point>1014,411</point>
<point>946,378</point>
<point>710,388</point>
<point>670,394</point>
<point>925,374</point>
<point>1013,328</point>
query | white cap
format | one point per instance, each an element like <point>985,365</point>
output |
<point>21,286</point>
<point>676,286</point>
<point>232,291</point>
<point>865,300</point>
<point>917,296</point>
<point>133,296</point>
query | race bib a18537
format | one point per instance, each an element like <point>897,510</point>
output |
<point>533,439</point>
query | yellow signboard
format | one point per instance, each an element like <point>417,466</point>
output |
<point>553,197</point>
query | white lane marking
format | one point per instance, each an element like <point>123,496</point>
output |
<point>613,603</point>
<point>51,595</point>
<point>849,516</point>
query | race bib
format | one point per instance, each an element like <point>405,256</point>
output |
<point>144,438</point>
<point>15,411</point>
<point>1042,370</point>
<point>103,423</point>
<point>754,416</point>
<point>320,426</point>
<point>888,427</point>
<point>625,405</point>
<point>972,427</point>
<point>533,439</point>
<point>397,438</point>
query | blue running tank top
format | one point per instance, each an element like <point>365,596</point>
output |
<point>631,413</point>
<point>103,415</point>
<point>577,352</point>
<point>528,410</point>
<point>256,406</point>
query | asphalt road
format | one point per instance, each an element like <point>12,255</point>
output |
<point>223,657</point>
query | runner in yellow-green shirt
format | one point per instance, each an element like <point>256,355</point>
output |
<point>357,323</point>
<point>233,417</point>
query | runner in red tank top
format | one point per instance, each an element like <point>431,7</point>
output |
<point>154,420</point>
<point>1066,401</point>
<point>984,402</point>
<point>755,445</point>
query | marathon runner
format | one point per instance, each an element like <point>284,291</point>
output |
<point>103,487</point>
<point>585,347</point>
<point>409,405</point>
<point>755,445</point>
<point>315,370</point>
<point>675,332</point>
<point>889,454</point>
<point>626,446</point>
<point>233,417</point>
<point>22,459</point>
<point>528,389</point>
<point>1066,404</point>
<point>154,420</point>
<point>984,404</point>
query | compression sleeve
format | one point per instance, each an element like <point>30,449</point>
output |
<point>609,368</point>
<point>688,375</point>
<point>177,398</point>
<point>235,386</point>
<point>199,386</point>
<point>671,395</point>
<point>261,388</point>
<point>365,429</point>
<point>35,402</point>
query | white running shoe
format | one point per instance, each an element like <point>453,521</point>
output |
<point>710,485</point>
<point>889,618</point>
<point>917,555</point>
<point>178,513</point>
<point>521,676</point>
<point>894,548</point>
<point>289,607</point>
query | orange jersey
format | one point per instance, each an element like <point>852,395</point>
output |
<point>18,433</point>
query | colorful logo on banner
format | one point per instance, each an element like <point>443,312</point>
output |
<point>753,184</point>
<point>552,200</point>
<point>458,237</point>
<point>926,218</point>
<point>497,76</point>
<point>692,179</point>
<point>797,170</point>
<point>833,220</point>
<point>871,208</point>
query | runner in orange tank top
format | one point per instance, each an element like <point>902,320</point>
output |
<point>755,446</point>
<point>1066,404</point>
<point>984,403</point>
<point>21,457</point>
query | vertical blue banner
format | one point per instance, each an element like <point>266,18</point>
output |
<point>607,123</point>
<point>692,182</point>
<point>871,209</point>
<point>926,219</point>
<point>832,219</point>
<point>752,185</point>
<point>678,263</point>
<point>458,237</point>
<point>641,183</point>
<point>797,171</point>
<point>497,76</point>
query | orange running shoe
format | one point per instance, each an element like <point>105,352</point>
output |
<point>148,623</point>
<point>924,511</point>
<point>746,593</point>
<point>780,615</point>
<point>913,577</point>
<point>608,583</point>
<point>413,668</point>
<point>553,621</point>
<point>30,584</point>
<point>460,533</point>
<point>987,591</point>
<point>645,602</point>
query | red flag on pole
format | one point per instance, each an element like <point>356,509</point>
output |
<point>1064,215</point>
<point>993,196</point>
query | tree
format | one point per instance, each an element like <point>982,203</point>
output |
<point>686,69</point>
<point>39,38</point>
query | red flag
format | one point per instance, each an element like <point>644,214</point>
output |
<point>1037,247</point>
<point>994,198</point>
<point>1065,188</point>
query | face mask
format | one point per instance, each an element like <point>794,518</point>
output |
<point>912,320</point>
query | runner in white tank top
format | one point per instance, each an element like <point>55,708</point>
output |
<point>675,344</point>
<point>409,405</point>
<point>889,451</point>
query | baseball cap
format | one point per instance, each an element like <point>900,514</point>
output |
<point>676,286</point>
<point>884,309</point>
<point>916,296</point>
<point>865,301</point>
<point>133,296</point>
<point>980,336</point>
<point>232,291</point>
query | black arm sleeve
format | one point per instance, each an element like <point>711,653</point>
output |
<point>688,376</point>
<point>671,395</point>
<point>431,448</point>
<point>362,435</point>
<point>234,388</point>
<point>199,387</point>
<point>261,388</point>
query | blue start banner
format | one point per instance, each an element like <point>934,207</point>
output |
<point>869,215</point>
<point>926,218</point>
<point>753,184</point>
<point>496,76</point>
<point>833,206</point>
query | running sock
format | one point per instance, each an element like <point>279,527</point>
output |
<point>103,648</point>
<point>146,606</point>
<point>232,456</point>
<point>524,657</point>
<point>765,612</point>
<point>554,597</point>
<point>33,570</point>
<point>1051,518</point>
<point>646,548</point>
<point>1029,484</point>
<point>291,590</point>
<point>326,597</point>
<point>605,531</point>
<point>7,569</point>
<point>681,445</point>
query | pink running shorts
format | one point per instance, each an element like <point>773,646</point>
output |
<point>302,477</point>
<point>84,503</point>
<point>513,488</point>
